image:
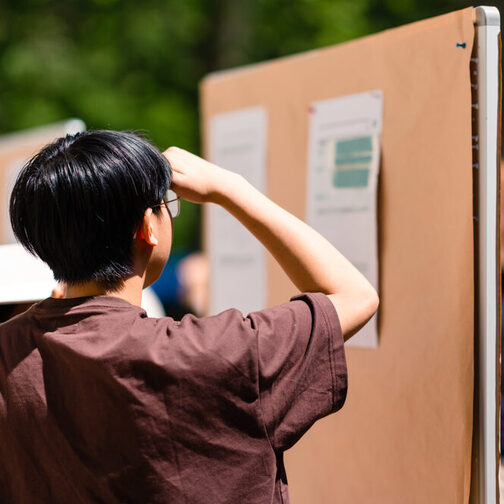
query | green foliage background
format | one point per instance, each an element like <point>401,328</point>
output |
<point>136,64</point>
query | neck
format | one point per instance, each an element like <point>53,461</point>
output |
<point>130,291</point>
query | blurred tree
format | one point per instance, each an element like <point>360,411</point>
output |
<point>124,64</point>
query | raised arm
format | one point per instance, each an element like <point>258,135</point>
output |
<point>309,260</point>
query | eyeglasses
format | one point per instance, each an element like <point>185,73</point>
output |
<point>172,203</point>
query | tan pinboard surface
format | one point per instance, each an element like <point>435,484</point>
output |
<point>404,435</point>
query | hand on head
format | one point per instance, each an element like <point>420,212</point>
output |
<point>193,178</point>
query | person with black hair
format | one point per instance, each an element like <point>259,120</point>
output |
<point>100,403</point>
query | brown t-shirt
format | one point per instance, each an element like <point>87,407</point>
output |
<point>101,404</point>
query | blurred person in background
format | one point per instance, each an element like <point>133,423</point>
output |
<point>101,403</point>
<point>193,273</point>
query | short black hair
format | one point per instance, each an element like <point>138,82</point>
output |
<point>77,203</point>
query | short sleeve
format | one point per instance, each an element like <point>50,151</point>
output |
<point>302,366</point>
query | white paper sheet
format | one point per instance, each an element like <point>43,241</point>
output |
<point>23,277</point>
<point>343,165</point>
<point>237,259</point>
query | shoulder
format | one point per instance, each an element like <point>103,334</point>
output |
<point>305,312</point>
<point>226,336</point>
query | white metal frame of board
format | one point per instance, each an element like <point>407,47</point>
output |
<point>486,143</point>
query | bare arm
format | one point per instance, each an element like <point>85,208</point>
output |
<point>309,260</point>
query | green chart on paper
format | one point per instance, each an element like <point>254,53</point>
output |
<point>352,162</point>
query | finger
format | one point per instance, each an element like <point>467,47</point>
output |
<point>170,154</point>
<point>174,152</point>
<point>171,149</point>
<point>177,177</point>
<point>176,164</point>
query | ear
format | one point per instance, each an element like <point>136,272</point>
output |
<point>147,229</point>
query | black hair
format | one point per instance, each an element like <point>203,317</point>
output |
<point>77,203</point>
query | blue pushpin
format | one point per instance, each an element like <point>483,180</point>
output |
<point>463,45</point>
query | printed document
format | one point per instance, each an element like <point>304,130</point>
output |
<point>343,166</point>
<point>237,259</point>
